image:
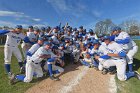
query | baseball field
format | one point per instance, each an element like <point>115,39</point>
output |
<point>76,79</point>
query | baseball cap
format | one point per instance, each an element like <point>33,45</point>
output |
<point>74,29</point>
<point>36,29</point>
<point>47,43</point>
<point>50,39</point>
<point>19,26</point>
<point>81,27</point>
<point>67,40</point>
<point>40,38</point>
<point>78,45</point>
<point>95,41</point>
<point>56,27</point>
<point>48,27</point>
<point>87,53</point>
<point>55,47</point>
<point>85,30</point>
<point>61,45</point>
<point>89,39</point>
<point>90,30</point>
<point>106,38</point>
<point>100,35</point>
<point>30,27</point>
<point>43,28</point>
<point>116,28</point>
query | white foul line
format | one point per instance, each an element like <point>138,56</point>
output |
<point>112,84</point>
<point>73,82</point>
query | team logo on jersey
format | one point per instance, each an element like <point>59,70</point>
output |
<point>15,37</point>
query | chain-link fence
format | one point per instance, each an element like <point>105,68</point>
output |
<point>2,39</point>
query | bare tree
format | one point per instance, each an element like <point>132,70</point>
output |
<point>104,27</point>
<point>130,26</point>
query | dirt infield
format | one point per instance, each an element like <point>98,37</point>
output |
<point>76,79</point>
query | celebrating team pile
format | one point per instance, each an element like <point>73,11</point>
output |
<point>48,50</point>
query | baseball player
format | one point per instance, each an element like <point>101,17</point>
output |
<point>33,64</point>
<point>68,35</point>
<point>42,32</point>
<point>127,44</point>
<point>87,61</point>
<point>103,51</point>
<point>95,51</point>
<point>11,47</point>
<point>116,57</point>
<point>83,52</point>
<point>76,52</point>
<point>26,46</point>
<point>34,48</point>
<point>92,35</point>
<point>68,56</point>
<point>52,64</point>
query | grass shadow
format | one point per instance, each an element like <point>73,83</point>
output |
<point>136,64</point>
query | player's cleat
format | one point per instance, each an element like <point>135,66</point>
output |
<point>54,78</point>
<point>12,79</point>
<point>96,68</point>
<point>22,70</point>
<point>113,72</point>
<point>91,65</point>
<point>9,75</point>
<point>137,75</point>
<point>105,71</point>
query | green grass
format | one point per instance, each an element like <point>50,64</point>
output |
<point>132,85</point>
<point>19,87</point>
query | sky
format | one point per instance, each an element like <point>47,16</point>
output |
<point>75,12</point>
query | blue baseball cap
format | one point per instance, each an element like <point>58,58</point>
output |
<point>19,26</point>
<point>61,45</point>
<point>106,38</point>
<point>87,53</point>
<point>78,45</point>
<point>40,38</point>
<point>50,39</point>
<point>30,27</point>
<point>95,42</point>
<point>48,27</point>
<point>43,28</point>
<point>74,29</point>
<point>85,45</point>
<point>36,29</point>
<point>55,47</point>
<point>116,28</point>
<point>89,39</point>
<point>100,35</point>
<point>85,30</point>
<point>67,39</point>
<point>81,27</point>
<point>90,30</point>
<point>56,27</point>
<point>47,43</point>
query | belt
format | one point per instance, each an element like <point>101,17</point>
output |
<point>34,62</point>
<point>9,45</point>
<point>50,62</point>
<point>118,58</point>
